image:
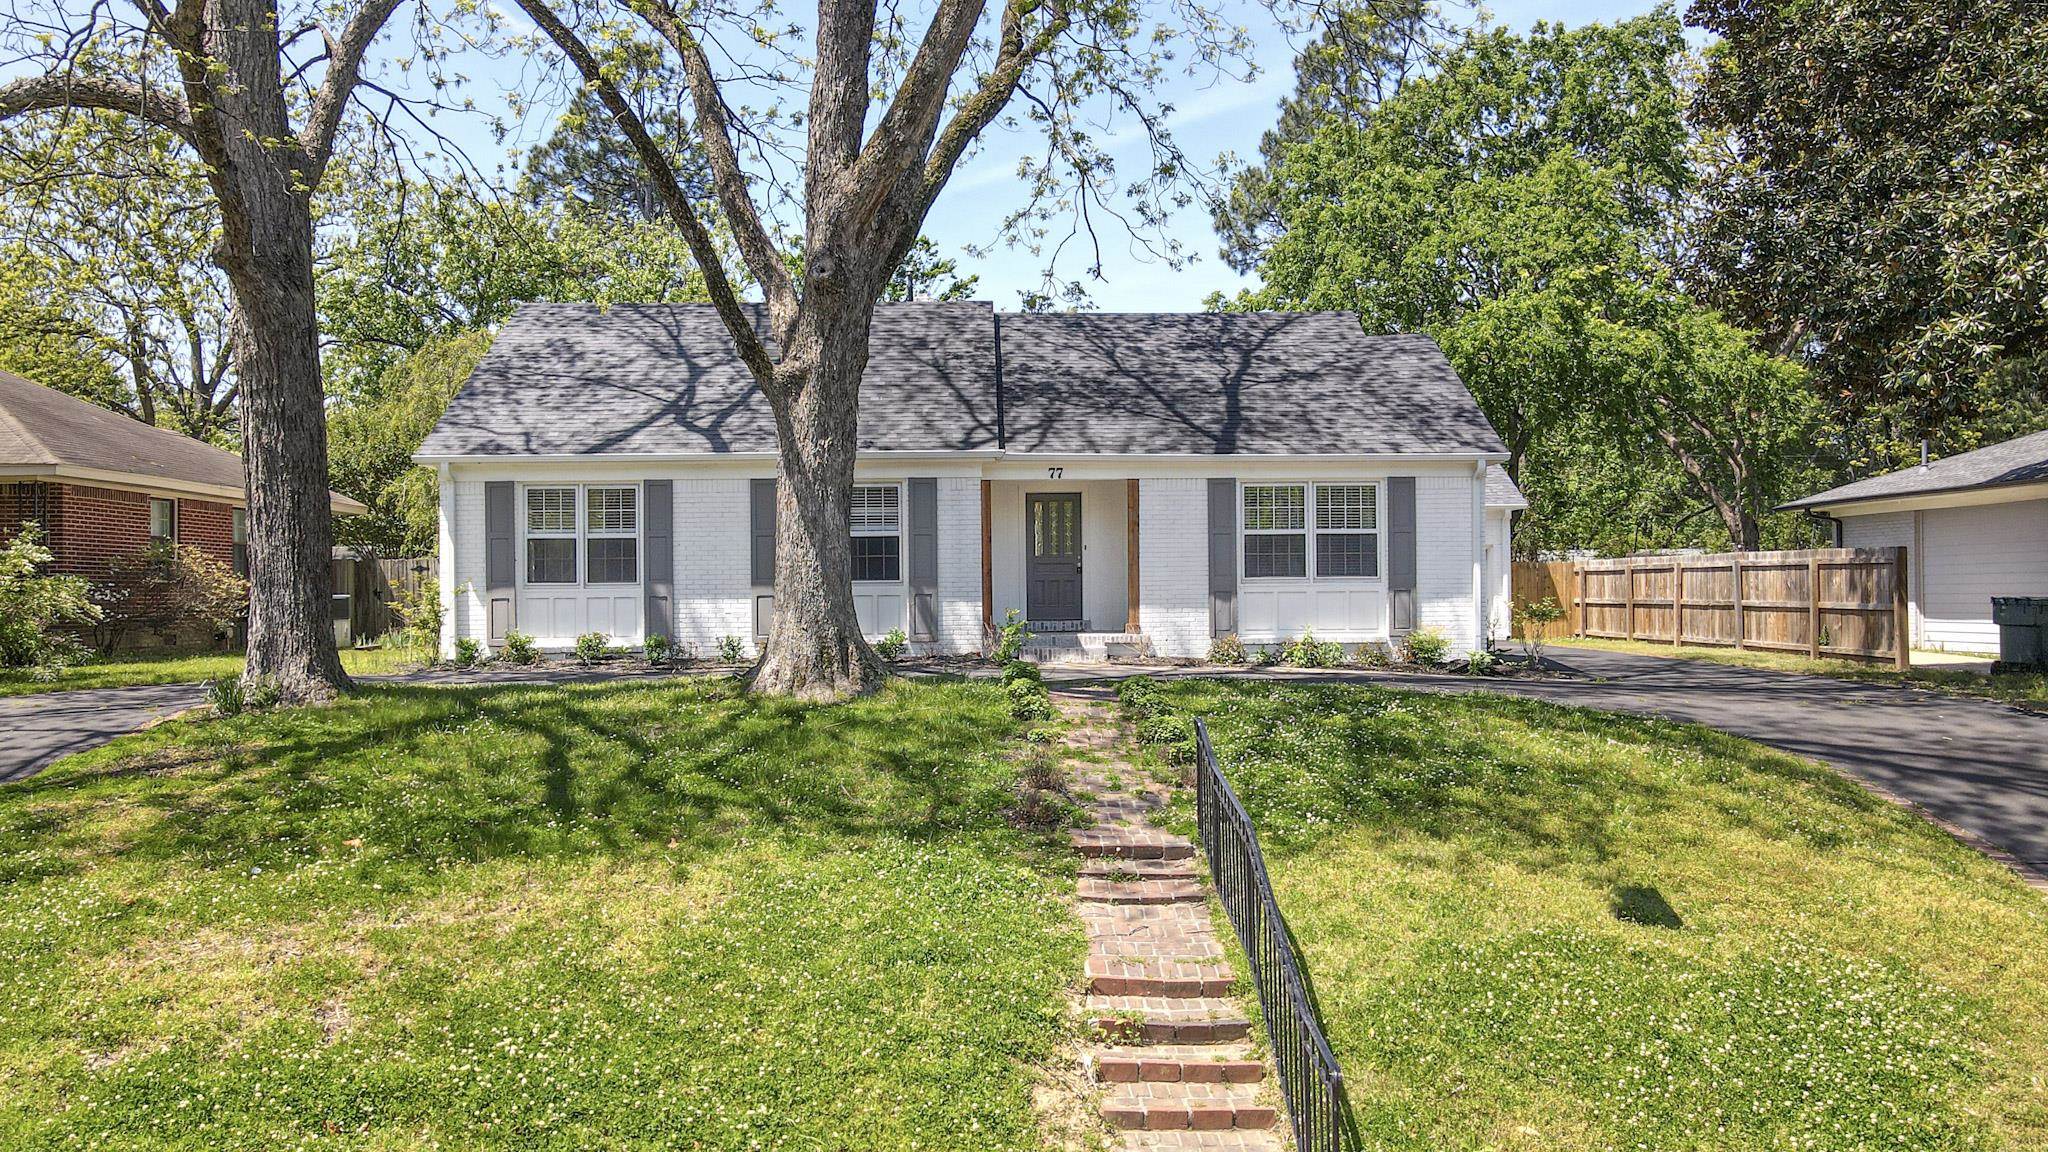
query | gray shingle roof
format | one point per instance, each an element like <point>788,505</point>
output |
<point>1501,491</point>
<point>570,379</point>
<point>1309,382</point>
<point>2019,461</point>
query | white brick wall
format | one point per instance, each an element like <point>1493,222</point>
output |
<point>959,564</point>
<point>1885,530</point>
<point>1443,558</point>
<point>714,563</point>
<point>1173,565</point>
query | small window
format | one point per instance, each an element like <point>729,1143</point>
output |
<point>1347,530</point>
<point>611,526</point>
<point>163,519</point>
<point>239,530</point>
<point>1275,531</point>
<point>876,520</point>
<point>551,535</point>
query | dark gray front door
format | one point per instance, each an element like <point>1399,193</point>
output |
<point>1052,577</point>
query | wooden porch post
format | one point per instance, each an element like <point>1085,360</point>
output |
<point>988,579</point>
<point>1131,555</point>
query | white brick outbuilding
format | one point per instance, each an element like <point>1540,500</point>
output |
<point>1124,481</point>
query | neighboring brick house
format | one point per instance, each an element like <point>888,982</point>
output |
<point>1138,481</point>
<point>102,484</point>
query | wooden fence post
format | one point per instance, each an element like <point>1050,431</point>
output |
<point>1902,618</point>
<point>1628,576</point>
<point>1677,601</point>
<point>1579,604</point>
<point>1735,566</point>
<point>1813,606</point>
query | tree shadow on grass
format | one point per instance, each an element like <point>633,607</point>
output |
<point>442,776</point>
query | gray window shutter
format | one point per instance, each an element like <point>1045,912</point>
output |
<point>501,560</point>
<point>1222,556</point>
<point>657,548</point>
<point>1401,550</point>
<point>924,558</point>
<point>761,501</point>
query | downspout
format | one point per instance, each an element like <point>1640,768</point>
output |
<point>1834,524</point>
<point>1002,433</point>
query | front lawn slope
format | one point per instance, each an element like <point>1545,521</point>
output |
<point>535,917</point>
<point>1533,927</point>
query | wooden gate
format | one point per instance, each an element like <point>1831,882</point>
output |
<point>377,589</point>
<point>1823,601</point>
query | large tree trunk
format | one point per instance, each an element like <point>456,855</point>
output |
<point>815,649</point>
<point>266,249</point>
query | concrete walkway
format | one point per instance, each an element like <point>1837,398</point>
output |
<point>1978,766</point>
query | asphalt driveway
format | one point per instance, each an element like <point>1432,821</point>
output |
<point>38,728</point>
<point>1977,765</point>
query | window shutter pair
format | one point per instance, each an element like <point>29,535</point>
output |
<point>1223,545</point>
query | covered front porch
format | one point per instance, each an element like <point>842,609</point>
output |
<point>1063,555</point>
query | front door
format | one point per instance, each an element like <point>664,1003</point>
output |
<point>1052,579</point>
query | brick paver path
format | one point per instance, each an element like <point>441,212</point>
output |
<point>1172,1055</point>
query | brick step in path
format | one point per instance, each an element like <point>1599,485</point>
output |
<point>1174,1060</point>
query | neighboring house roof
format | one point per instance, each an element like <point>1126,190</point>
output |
<point>2019,461</point>
<point>571,379</point>
<point>1501,491</point>
<point>47,433</point>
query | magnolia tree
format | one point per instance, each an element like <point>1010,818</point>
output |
<point>827,146</point>
<point>256,94</point>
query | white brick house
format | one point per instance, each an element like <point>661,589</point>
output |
<point>1123,481</point>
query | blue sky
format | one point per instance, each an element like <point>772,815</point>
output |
<point>1209,118</point>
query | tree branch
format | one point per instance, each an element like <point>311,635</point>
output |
<point>729,180</point>
<point>65,90</point>
<point>723,297</point>
<point>344,68</point>
<point>979,110</point>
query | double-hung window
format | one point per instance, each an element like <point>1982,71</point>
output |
<point>1287,524</point>
<point>551,535</point>
<point>1347,530</point>
<point>877,520</point>
<point>1275,530</point>
<point>163,519</point>
<point>611,528</point>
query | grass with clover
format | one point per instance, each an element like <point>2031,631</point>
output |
<point>1534,927</point>
<point>534,917</point>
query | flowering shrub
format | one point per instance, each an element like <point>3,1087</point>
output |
<point>1227,649</point>
<point>35,608</point>
<point>167,588</point>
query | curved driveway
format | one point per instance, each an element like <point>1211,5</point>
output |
<point>38,728</point>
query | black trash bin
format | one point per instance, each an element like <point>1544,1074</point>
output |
<point>2022,631</point>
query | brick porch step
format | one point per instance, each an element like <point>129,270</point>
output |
<point>1111,976</point>
<point>1167,1020</point>
<point>1159,1106</point>
<point>1186,1065</point>
<point>1126,844</point>
<point>1230,1140</point>
<point>1163,891</point>
<point>1110,866</point>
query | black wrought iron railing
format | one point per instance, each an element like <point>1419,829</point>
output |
<point>1309,1075</point>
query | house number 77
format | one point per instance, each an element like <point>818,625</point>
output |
<point>1055,473</point>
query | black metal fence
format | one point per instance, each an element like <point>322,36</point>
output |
<point>1308,1070</point>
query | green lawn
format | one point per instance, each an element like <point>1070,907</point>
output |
<point>184,668</point>
<point>2028,689</point>
<point>1533,927</point>
<point>535,917</point>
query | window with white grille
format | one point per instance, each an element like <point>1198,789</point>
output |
<point>551,535</point>
<point>877,529</point>
<point>1275,530</point>
<point>611,530</point>
<point>1347,530</point>
<point>550,510</point>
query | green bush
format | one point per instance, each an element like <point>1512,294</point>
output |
<point>520,649</point>
<point>468,652</point>
<point>1163,728</point>
<point>592,648</point>
<point>1428,646</point>
<point>167,588</point>
<point>224,694</point>
<point>892,646</point>
<point>731,650</point>
<point>1028,700</point>
<point>35,608</point>
<point>1267,655</point>
<point>1309,652</point>
<point>1481,662</point>
<point>1227,649</point>
<point>1372,654</point>
<point>421,615</point>
<point>657,650</point>
<point>1020,670</point>
<point>1012,637</point>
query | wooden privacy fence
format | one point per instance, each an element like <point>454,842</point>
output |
<point>1821,601</point>
<point>375,588</point>
<point>1536,580</point>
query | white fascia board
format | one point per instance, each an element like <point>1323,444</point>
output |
<point>1958,498</point>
